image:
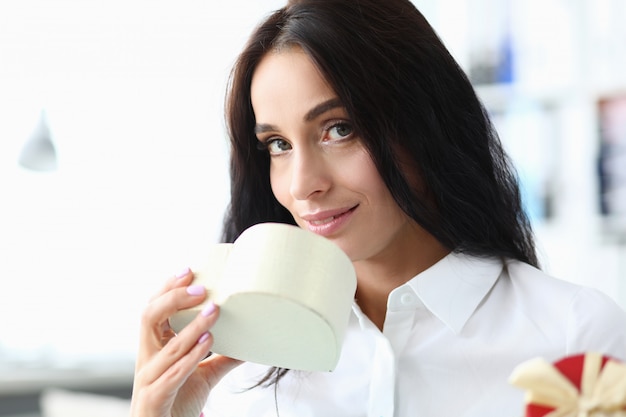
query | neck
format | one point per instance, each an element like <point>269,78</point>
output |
<point>378,276</point>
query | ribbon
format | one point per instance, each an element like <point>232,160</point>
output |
<point>602,391</point>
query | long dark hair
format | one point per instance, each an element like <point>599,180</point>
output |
<point>414,109</point>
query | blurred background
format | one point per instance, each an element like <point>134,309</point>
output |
<point>113,161</point>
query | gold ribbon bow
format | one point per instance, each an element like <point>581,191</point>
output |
<point>602,390</point>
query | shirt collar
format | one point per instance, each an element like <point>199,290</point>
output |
<point>453,288</point>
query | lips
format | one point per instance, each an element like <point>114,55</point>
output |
<point>328,222</point>
<point>323,221</point>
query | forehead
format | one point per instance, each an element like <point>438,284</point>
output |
<point>287,81</point>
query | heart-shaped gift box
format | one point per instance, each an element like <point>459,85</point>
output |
<point>285,297</point>
<point>582,385</point>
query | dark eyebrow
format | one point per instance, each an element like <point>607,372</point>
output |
<point>322,108</point>
<point>311,115</point>
<point>263,127</point>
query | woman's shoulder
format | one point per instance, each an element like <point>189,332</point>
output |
<point>529,278</point>
<point>539,285</point>
<point>592,320</point>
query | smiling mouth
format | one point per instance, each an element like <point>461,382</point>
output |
<point>330,219</point>
<point>325,221</point>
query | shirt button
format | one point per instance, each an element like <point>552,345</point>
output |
<point>407,299</point>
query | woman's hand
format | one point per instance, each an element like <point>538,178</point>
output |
<point>171,377</point>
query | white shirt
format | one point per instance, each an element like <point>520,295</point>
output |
<point>451,338</point>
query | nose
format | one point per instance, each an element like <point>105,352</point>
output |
<point>310,174</point>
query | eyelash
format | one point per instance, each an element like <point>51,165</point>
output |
<point>264,144</point>
<point>341,123</point>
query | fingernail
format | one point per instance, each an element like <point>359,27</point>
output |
<point>203,338</point>
<point>183,273</point>
<point>209,309</point>
<point>196,290</point>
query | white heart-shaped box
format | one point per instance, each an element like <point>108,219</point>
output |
<point>285,296</point>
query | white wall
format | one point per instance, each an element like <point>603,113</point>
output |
<point>133,92</point>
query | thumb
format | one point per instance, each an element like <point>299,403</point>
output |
<point>216,366</point>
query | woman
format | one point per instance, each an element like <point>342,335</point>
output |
<point>351,119</point>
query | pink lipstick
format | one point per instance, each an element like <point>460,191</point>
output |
<point>328,222</point>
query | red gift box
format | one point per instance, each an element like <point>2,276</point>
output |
<point>583,385</point>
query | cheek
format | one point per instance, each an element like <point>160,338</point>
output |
<point>378,195</point>
<point>364,173</point>
<point>280,186</point>
<point>280,189</point>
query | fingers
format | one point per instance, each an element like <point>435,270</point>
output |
<point>157,395</point>
<point>176,295</point>
<point>182,279</point>
<point>171,366</point>
<point>162,369</point>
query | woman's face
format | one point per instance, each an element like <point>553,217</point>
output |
<point>320,171</point>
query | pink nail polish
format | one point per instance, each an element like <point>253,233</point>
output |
<point>195,290</point>
<point>203,338</point>
<point>183,273</point>
<point>208,310</point>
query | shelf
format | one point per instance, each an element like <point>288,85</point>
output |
<point>25,381</point>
